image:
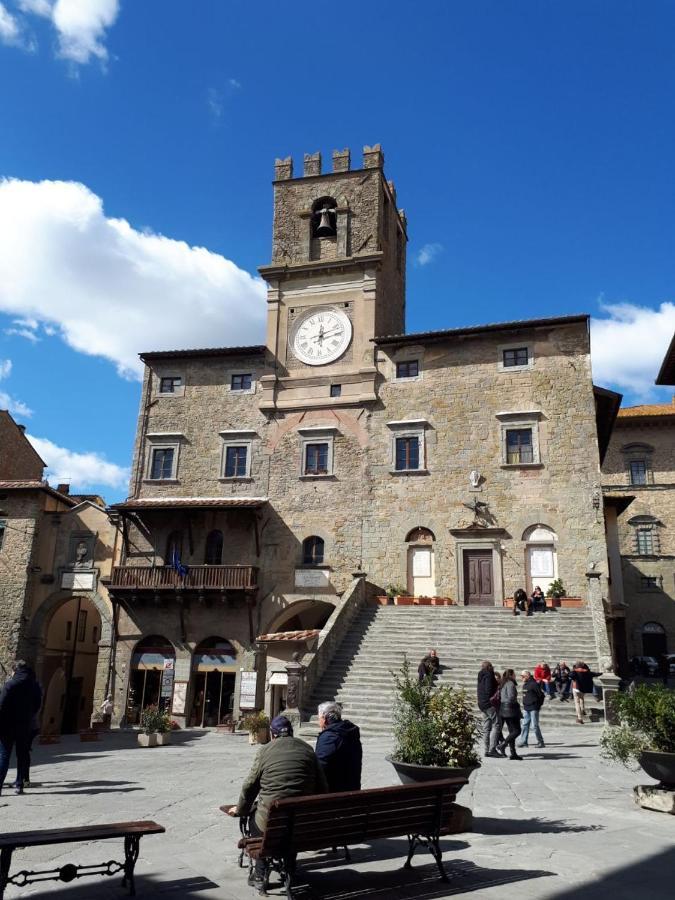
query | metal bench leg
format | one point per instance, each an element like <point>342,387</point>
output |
<point>413,841</point>
<point>131,848</point>
<point>437,853</point>
<point>5,863</point>
<point>289,868</point>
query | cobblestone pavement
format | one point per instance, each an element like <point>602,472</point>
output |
<point>561,824</point>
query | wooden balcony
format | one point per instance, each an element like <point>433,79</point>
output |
<point>198,578</point>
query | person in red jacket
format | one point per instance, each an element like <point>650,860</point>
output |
<point>542,675</point>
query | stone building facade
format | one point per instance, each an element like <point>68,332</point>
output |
<point>266,480</point>
<point>54,551</point>
<point>640,468</point>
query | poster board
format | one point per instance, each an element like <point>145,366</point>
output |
<point>179,698</point>
<point>248,690</point>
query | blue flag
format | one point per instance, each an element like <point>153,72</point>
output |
<point>177,564</point>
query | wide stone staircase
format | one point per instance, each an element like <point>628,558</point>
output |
<point>359,676</point>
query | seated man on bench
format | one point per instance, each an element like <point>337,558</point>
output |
<point>286,767</point>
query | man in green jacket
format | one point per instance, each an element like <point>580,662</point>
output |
<point>286,767</point>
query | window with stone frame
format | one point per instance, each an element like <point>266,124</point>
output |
<point>236,461</point>
<point>162,463</point>
<point>519,446</point>
<point>515,356</point>
<point>316,458</point>
<point>637,459</point>
<point>170,384</point>
<point>649,583</point>
<point>520,437</point>
<point>407,368</point>
<point>646,538</point>
<point>313,551</point>
<point>241,381</point>
<point>407,458</point>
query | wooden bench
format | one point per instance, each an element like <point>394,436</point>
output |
<point>132,832</point>
<point>297,824</point>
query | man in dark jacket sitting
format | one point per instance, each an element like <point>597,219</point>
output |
<point>338,749</point>
<point>286,767</point>
<point>20,700</point>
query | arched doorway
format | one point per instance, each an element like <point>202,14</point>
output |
<point>69,663</point>
<point>151,677</point>
<point>654,641</point>
<point>214,668</point>
<point>541,558</point>
<point>421,569</point>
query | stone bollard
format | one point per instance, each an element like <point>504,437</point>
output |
<point>610,687</point>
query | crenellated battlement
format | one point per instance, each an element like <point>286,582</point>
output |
<point>373,158</point>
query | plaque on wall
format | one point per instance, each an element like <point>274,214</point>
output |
<point>248,690</point>
<point>312,577</point>
<point>77,581</point>
<point>179,697</point>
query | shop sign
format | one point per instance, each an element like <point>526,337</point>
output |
<point>167,679</point>
<point>248,690</point>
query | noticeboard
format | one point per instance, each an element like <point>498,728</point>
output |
<point>167,679</point>
<point>248,690</point>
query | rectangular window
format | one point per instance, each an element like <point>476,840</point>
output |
<point>82,625</point>
<point>162,463</point>
<point>645,543</point>
<point>649,582</point>
<point>235,462</point>
<point>241,382</point>
<point>170,384</point>
<point>336,390</point>
<point>407,454</point>
<point>519,446</point>
<point>518,356</point>
<point>94,635</point>
<point>408,368</point>
<point>316,459</point>
<point>69,630</point>
<point>638,471</point>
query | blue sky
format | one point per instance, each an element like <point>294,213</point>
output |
<point>531,143</point>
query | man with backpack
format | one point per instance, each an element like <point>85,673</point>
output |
<point>533,700</point>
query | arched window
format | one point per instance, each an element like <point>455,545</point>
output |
<point>214,548</point>
<point>324,217</point>
<point>312,551</point>
<point>541,559</point>
<point>174,548</point>
<point>150,676</point>
<point>654,640</point>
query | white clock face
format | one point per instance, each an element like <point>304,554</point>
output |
<point>321,336</point>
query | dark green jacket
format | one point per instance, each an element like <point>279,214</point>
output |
<point>286,767</point>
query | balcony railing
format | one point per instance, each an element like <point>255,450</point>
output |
<point>197,578</point>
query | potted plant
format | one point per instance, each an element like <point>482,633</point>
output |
<point>257,724</point>
<point>226,725</point>
<point>646,732</point>
<point>393,590</point>
<point>155,727</point>
<point>435,730</point>
<point>556,592</point>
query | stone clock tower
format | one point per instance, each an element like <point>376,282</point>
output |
<point>337,279</point>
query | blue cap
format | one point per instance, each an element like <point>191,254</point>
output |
<point>280,725</point>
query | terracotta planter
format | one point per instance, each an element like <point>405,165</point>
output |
<point>423,601</point>
<point>261,736</point>
<point>438,601</point>
<point>660,766</point>
<point>571,602</point>
<point>147,740</point>
<point>86,736</point>
<point>163,739</point>
<point>382,601</point>
<point>226,729</point>
<point>411,773</point>
<point>404,601</point>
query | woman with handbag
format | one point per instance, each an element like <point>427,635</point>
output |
<point>509,713</point>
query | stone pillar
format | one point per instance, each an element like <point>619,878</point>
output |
<point>102,686</point>
<point>599,624</point>
<point>610,687</point>
<point>295,671</point>
<point>373,157</point>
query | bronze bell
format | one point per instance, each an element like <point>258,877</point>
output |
<point>325,227</point>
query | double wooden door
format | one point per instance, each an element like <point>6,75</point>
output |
<point>478,578</point>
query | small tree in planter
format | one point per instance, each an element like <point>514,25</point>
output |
<point>646,732</point>
<point>435,730</point>
<point>257,724</point>
<point>155,727</point>
<point>556,591</point>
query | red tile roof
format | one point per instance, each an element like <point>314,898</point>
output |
<point>648,409</point>
<point>36,486</point>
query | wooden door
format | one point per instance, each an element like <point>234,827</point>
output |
<point>478,582</point>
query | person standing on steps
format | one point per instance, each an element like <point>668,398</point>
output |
<point>487,688</point>
<point>510,714</point>
<point>533,700</point>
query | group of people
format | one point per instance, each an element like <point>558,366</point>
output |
<point>529,605</point>
<point>497,697</point>
<point>288,767</point>
<point>20,702</point>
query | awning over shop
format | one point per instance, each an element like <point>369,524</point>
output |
<point>224,656</point>
<point>149,659</point>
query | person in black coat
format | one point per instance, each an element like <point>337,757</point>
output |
<point>429,666</point>
<point>510,714</point>
<point>486,689</point>
<point>20,700</point>
<point>338,749</point>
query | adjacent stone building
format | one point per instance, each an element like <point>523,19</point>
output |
<point>54,550</point>
<point>274,485</point>
<point>640,468</point>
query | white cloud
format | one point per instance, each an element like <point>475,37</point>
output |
<point>80,25</point>
<point>15,407</point>
<point>10,31</point>
<point>80,470</point>
<point>629,345</point>
<point>233,83</point>
<point>215,103</point>
<point>113,291</point>
<point>428,254</point>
